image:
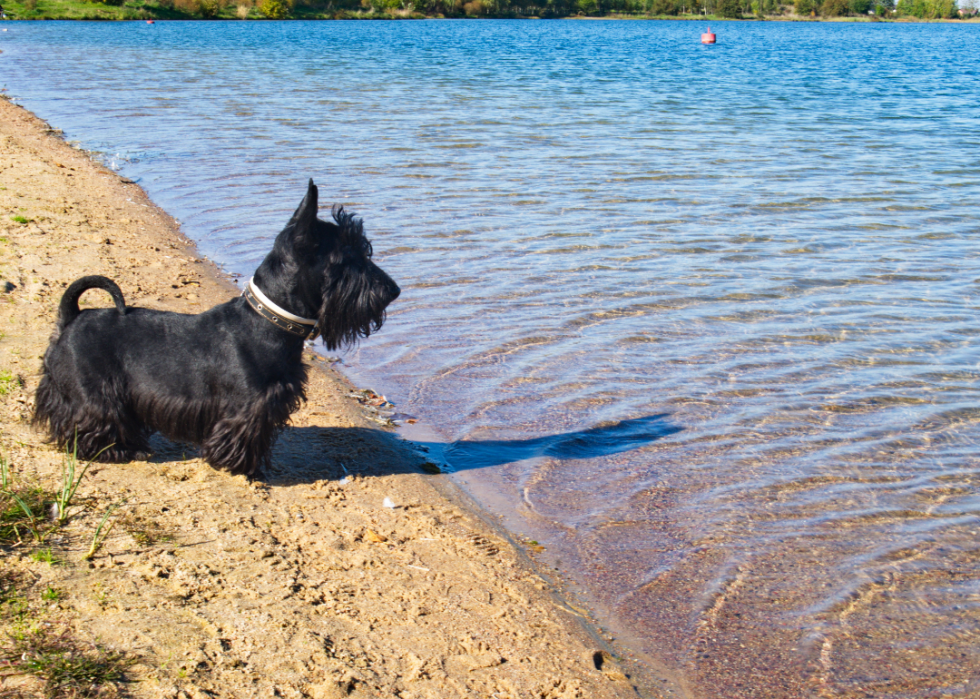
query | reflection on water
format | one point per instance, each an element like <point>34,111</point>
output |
<point>752,265</point>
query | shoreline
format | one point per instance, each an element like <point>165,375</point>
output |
<point>304,584</point>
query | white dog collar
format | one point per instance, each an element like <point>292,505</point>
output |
<point>281,318</point>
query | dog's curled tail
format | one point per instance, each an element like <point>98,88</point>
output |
<point>68,310</point>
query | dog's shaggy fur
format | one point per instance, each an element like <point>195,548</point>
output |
<point>226,379</point>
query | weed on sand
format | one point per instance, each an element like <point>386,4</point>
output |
<point>63,666</point>
<point>39,651</point>
<point>22,509</point>
<point>27,508</point>
<point>8,382</point>
<point>146,532</point>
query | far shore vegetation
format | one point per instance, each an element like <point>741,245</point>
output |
<point>799,10</point>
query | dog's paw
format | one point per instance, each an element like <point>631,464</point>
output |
<point>256,476</point>
<point>124,456</point>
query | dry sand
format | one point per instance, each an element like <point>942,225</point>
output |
<point>302,585</point>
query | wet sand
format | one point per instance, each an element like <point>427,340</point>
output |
<point>301,585</point>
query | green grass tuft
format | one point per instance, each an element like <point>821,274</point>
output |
<point>45,556</point>
<point>10,582</point>
<point>22,513</point>
<point>8,382</point>
<point>64,666</point>
<point>24,507</point>
<point>145,532</point>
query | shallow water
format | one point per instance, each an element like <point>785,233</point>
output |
<point>701,320</point>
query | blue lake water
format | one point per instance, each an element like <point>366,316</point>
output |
<point>701,320</point>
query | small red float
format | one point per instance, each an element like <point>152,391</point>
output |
<point>708,37</point>
<point>149,21</point>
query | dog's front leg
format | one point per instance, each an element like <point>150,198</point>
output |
<point>240,443</point>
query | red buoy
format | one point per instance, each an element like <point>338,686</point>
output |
<point>708,37</point>
<point>150,21</point>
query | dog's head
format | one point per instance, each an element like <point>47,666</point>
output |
<point>324,270</point>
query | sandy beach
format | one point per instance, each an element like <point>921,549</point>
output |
<point>303,584</point>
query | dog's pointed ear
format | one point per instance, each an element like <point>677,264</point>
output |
<point>302,226</point>
<point>305,214</point>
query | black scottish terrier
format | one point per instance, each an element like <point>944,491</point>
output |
<point>226,379</point>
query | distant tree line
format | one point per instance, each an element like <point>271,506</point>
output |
<point>550,8</point>
<point>923,9</point>
<point>521,8</point>
<point>843,8</point>
<point>325,9</point>
<point>928,9</point>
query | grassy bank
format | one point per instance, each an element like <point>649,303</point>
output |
<point>422,9</point>
<point>188,10</point>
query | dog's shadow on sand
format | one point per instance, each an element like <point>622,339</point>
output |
<point>310,454</point>
<point>307,454</point>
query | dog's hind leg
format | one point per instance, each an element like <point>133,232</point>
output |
<point>98,427</point>
<point>115,439</point>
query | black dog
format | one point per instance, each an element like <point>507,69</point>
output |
<point>227,379</point>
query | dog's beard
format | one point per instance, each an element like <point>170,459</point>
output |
<point>355,307</point>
